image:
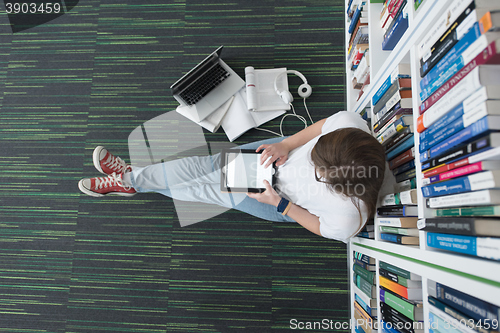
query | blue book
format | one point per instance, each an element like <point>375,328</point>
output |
<point>444,326</point>
<point>397,31</point>
<point>388,328</point>
<point>442,134</point>
<point>478,181</point>
<point>355,17</point>
<point>403,168</point>
<point>485,247</point>
<point>444,121</point>
<point>453,54</point>
<point>381,91</point>
<point>481,127</point>
<point>403,146</point>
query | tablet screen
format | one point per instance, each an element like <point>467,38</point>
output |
<point>245,171</point>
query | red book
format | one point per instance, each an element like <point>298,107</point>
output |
<point>469,169</point>
<point>401,159</point>
<point>446,167</point>
<point>490,55</point>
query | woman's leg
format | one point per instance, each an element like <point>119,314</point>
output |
<point>197,179</point>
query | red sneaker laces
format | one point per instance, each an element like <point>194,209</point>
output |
<point>111,181</point>
<point>115,162</point>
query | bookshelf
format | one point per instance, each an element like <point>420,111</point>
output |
<point>475,276</point>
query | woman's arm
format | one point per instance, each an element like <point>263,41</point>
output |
<point>299,214</point>
<point>279,151</point>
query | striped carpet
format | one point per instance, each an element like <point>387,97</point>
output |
<point>73,263</point>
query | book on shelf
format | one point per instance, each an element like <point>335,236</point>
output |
<point>397,222</point>
<point>490,156</point>
<point>396,29</point>
<point>484,148</point>
<point>399,239</point>
<point>482,197</point>
<point>467,169</point>
<point>449,54</point>
<point>477,326</point>
<point>399,279</point>
<point>364,319</point>
<point>446,43</point>
<point>406,144</point>
<point>391,94</point>
<point>398,321</point>
<point>485,211</point>
<point>366,266</point>
<point>445,322</point>
<point>435,79</point>
<point>413,294</point>
<point>455,121</point>
<point>471,132</point>
<point>479,77</point>
<point>398,123</point>
<point>411,309</point>
<point>400,271</point>
<point>406,175</point>
<point>401,70</point>
<point>405,185</point>
<point>365,286</point>
<point>394,114</point>
<point>397,211</point>
<point>404,168</point>
<point>383,118</point>
<point>393,142</point>
<point>483,247</point>
<point>401,159</point>
<point>369,301</point>
<point>487,58</point>
<point>478,181</point>
<point>441,25</point>
<point>471,306</point>
<point>400,198</point>
<point>364,273</point>
<point>468,226</point>
<point>371,311</point>
<point>399,231</point>
<point>364,258</point>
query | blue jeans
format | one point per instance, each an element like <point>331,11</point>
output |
<point>197,179</point>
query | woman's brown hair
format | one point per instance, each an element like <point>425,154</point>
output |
<point>351,162</point>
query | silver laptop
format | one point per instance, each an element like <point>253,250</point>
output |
<point>207,86</point>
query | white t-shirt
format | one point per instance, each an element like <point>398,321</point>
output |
<point>338,217</point>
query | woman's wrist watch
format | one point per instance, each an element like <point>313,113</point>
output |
<point>284,206</point>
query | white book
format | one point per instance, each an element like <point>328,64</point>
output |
<point>210,123</point>
<point>483,197</point>
<point>261,92</point>
<point>483,75</point>
<point>398,222</point>
<point>440,26</point>
<point>238,119</point>
<point>487,108</point>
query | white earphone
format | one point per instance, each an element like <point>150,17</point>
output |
<point>304,90</point>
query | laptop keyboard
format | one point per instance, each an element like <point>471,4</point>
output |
<point>205,84</point>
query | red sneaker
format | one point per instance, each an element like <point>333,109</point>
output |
<point>107,163</point>
<point>101,186</point>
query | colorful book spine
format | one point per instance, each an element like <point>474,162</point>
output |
<point>483,147</point>
<point>465,303</point>
<point>462,171</point>
<point>468,211</point>
<point>399,271</point>
<point>396,32</point>
<point>477,181</point>
<point>481,127</point>
<point>406,308</point>
<point>403,146</point>
<point>463,52</point>
<point>489,55</point>
<point>484,247</point>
